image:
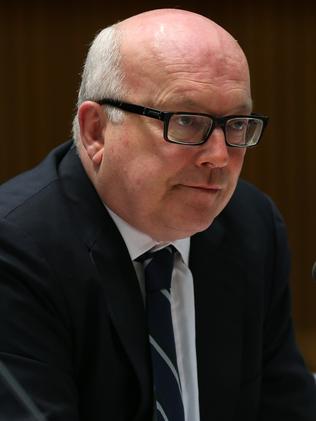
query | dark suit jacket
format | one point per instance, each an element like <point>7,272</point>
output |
<point>72,321</point>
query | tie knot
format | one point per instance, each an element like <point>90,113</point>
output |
<point>158,266</point>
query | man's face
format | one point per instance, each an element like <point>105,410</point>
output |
<point>166,190</point>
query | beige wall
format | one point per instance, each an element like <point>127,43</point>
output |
<point>43,44</point>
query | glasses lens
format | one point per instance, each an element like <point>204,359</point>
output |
<point>188,128</point>
<point>243,131</point>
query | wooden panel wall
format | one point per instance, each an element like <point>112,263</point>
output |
<point>42,47</point>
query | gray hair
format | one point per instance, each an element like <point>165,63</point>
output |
<point>102,75</point>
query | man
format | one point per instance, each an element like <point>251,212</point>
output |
<point>163,123</point>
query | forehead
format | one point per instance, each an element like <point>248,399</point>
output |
<point>185,66</point>
<point>181,87</point>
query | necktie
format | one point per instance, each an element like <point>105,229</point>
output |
<point>167,387</point>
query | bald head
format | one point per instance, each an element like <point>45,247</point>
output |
<point>141,54</point>
<point>177,42</point>
<point>175,30</point>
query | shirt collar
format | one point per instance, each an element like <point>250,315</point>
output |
<point>138,242</point>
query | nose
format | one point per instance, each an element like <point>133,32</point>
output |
<point>214,152</point>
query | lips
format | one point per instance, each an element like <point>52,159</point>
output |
<point>205,188</point>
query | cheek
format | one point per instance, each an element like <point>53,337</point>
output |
<point>134,171</point>
<point>141,164</point>
<point>236,161</point>
<point>233,172</point>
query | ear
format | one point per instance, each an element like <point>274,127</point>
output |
<point>92,121</point>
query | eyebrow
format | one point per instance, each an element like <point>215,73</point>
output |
<point>245,107</point>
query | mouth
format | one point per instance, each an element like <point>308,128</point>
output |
<point>204,188</point>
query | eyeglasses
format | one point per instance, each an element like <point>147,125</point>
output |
<point>241,131</point>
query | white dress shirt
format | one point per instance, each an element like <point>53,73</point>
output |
<point>182,308</point>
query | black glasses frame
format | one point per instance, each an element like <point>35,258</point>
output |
<point>165,117</point>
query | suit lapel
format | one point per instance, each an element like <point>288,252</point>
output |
<point>219,288</point>
<point>116,271</point>
<point>124,300</point>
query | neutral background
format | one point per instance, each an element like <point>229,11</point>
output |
<point>42,48</point>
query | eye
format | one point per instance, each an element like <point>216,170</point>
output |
<point>185,120</point>
<point>188,127</point>
<point>238,125</point>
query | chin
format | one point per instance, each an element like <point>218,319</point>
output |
<point>202,227</point>
<point>199,226</point>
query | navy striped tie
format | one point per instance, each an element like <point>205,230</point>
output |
<point>158,272</point>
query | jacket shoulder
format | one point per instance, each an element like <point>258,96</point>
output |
<point>16,192</point>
